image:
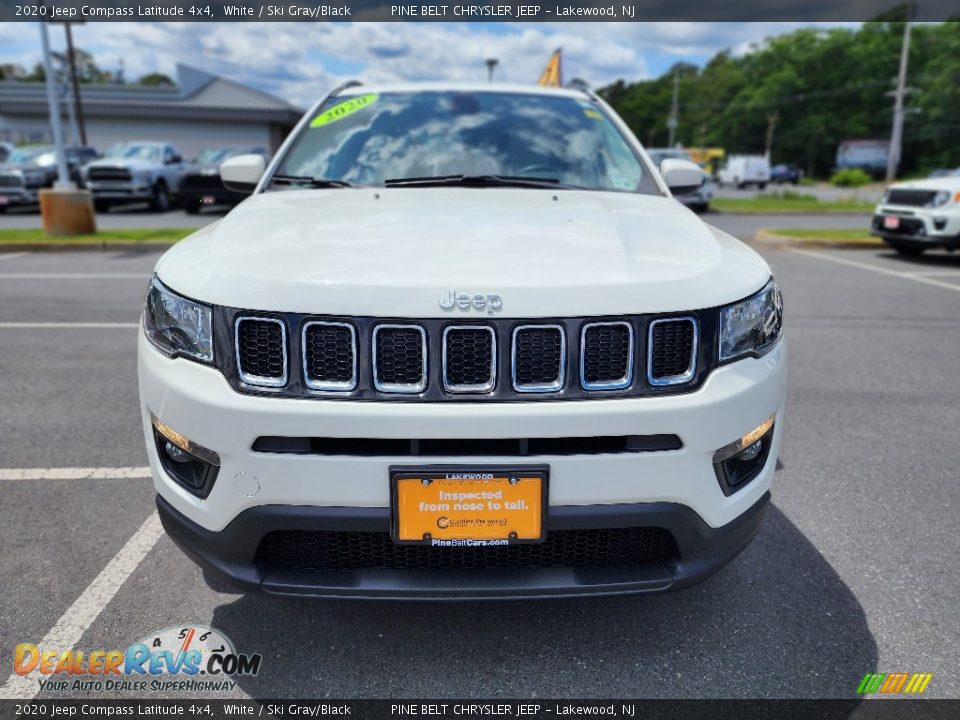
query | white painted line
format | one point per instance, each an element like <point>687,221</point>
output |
<point>11,256</point>
<point>874,268</point>
<point>75,276</point>
<point>944,273</point>
<point>78,618</point>
<point>63,325</point>
<point>75,473</point>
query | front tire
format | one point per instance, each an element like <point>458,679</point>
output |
<point>101,206</point>
<point>160,201</point>
<point>192,207</point>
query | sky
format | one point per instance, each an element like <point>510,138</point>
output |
<point>300,61</point>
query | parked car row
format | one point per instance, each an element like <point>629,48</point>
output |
<point>153,172</point>
<point>919,215</point>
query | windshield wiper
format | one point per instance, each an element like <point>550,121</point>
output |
<point>316,182</point>
<point>477,181</point>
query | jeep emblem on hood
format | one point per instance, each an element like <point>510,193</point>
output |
<point>484,303</point>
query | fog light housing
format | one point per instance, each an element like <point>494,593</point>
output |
<point>192,466</point>
<point>741,461</point>
<point>939,223</point>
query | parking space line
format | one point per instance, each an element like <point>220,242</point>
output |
<point>11,256</point>
<point>78,618</point>
<point>75,473</point>
<point>75,276</point>
<point>874,268</point>
<point>63,325</point>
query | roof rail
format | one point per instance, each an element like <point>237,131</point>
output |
<point>340,88</point>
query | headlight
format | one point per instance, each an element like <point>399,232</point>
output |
<point>752,326</point>
<point>177,326</point>
<point>941,198</point>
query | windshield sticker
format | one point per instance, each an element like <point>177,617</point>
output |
<point>348,107</point>
<point>592,114</point>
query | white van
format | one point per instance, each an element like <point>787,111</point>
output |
<point>743,170</point>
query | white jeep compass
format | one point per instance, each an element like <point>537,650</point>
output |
<point>461,342</point>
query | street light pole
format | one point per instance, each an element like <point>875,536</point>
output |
<point>672,121</point>
<point>491,65</point>
<point>76,85</point>
<point>63,180</point>
<point>896,136</point>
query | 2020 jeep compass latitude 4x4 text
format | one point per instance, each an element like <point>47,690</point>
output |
<point>461,342</point>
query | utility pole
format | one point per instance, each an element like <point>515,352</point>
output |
<point>672,121</point>
<point>491,66</point>
<point>772,119</point>
<point>63,179</point>
<point>76,85</point>
<point>896,136</point>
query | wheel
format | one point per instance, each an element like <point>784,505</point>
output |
<point>160,200</point>
<point>101,205</point>
<point>907,249</point>
<point>192,207</point>
<point>762,186</point>
<point>700,208</point>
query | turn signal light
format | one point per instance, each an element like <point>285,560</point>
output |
<point>735,448</point>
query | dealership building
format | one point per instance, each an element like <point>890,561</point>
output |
<point>203,110</point>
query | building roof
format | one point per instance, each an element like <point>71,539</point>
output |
<point>198,95</point>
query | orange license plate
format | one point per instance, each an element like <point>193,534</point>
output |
<point>468,508</point>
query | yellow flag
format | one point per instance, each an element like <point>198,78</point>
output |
<point>552,75</point>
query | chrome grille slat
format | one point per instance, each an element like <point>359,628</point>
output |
<point>392,374</point>
<point>545,357</point>
<point>670,340</point>
<point>261,351</point>
<point>472,361</point>
<point>329,355</point>
<point>598,373</point>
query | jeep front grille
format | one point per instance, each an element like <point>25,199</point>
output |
<point>400,358</point>
<point>913,198</point>
<point>672,351</point>
<point>539,358</point>
<point>11,180</point>
<point>606,356</point>
<point>329,356</point>
<point>262,351</point>
<point>469,359</point>
<point>433,360</point>
<point>110,174</point>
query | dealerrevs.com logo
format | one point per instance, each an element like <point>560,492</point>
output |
<point>180,658</point>
<point>894,683</point>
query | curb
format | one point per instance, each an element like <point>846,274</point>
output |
<point>771,238</point>
<point>87,247</point>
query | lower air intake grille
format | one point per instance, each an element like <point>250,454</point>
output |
<point>595,548</point>
<point>672,348</point>
<point>262,351</point>
<point>400,358</point>
<point>469,359</point>
<point>606,356</point>
<point>539,356</point>
<point>330,356</point>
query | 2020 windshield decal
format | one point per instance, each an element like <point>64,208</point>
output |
<point>341,110</point>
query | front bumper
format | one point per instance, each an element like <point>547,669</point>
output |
<point>229,554</point>
<point>15,197</point>
<point>120,190</point>
<point>932,226</point>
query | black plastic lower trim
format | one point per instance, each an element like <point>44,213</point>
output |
<point>229,554</point>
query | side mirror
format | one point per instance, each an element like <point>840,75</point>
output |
<point>242,173</point>
<point>174,159</point>
<point>682,176</point>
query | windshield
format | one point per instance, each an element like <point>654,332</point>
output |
<point>22,156</point>
<point>367,139</point>
<point>139,152</point>
<point>215,156</point>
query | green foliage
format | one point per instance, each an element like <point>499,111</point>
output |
<point>822,86</point>
<point>156,79</point>
<point>850,177</point>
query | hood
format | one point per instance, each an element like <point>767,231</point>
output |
<point>397,252</point>
<point>942,183</point>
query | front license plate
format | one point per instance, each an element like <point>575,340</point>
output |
<point>468,508</point>
<point>4,200</point>
<point>891,223</point>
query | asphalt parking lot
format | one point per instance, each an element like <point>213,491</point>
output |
<point>855,569</point>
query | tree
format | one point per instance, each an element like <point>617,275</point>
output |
<point>156,79</point>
